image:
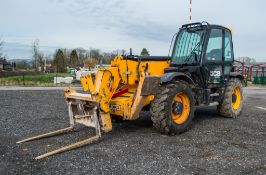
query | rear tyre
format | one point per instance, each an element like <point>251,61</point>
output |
<point>232,103</point>
<point>172,110</point>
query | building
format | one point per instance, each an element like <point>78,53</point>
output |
<point>4,65</point>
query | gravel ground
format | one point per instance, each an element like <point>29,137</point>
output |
<point>214,145</point>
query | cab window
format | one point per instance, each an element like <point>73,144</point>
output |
<point>228,51</point>
<point>214,47</point>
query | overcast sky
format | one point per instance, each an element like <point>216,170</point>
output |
<point>124,24</point>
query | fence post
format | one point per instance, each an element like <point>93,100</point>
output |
<point>56,79</point>
<point>23,79</point>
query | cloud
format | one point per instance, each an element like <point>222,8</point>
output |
<point>112,24</point>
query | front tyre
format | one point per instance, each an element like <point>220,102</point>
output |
<point>232,103</point>
<point>172,110</point>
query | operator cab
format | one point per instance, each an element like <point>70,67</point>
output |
<point>206,50</point>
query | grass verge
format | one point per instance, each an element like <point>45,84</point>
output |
<point>33,80</point>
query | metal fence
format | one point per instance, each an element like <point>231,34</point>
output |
<point>259,80</point>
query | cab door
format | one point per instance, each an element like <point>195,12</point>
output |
<point>214,57</point>
<point>228,53</point>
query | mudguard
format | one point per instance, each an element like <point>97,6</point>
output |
<point>167,77</point>
<point>236,75</point>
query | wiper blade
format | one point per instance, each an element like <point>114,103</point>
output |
<point>192,51</point>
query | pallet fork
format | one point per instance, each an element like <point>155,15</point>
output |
<point>77,103</point>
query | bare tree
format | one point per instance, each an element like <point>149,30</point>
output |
<point>123,52</point>
<point>38,57</point>
<point>95,54</point>
<point>35,47</point>
<point>247,60</point>
<point>82,54</point>
<point>90,62</point>
<point>1,46</point>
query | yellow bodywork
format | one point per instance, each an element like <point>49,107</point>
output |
<point>122,74</point>
<point>122,89</point>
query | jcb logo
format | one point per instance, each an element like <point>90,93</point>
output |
<point>215,73</point>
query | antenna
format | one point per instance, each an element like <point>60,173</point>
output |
<point>190,11</point>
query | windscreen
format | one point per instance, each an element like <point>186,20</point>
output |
<point>188,44</point>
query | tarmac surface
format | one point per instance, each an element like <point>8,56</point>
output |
<point>213,145</point>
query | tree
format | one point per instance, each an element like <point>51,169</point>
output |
<point>95,54</point>
<point>82,54</point>
<point>144,52</point>
<point>66,53</point>
<point>90,62</point>
<point>247,60</point>
<point>1,46</point>
<point>59,61</point>
<point>123,52</point>
<point>106,58</point>
<point>38,57</point>
<point>74,58</point>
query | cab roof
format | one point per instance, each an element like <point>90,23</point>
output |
<point>201,24</point>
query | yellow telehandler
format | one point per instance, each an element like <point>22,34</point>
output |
<point>199,72</point>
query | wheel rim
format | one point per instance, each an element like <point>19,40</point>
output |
<point>236,98</point>
<point>180,108</point>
